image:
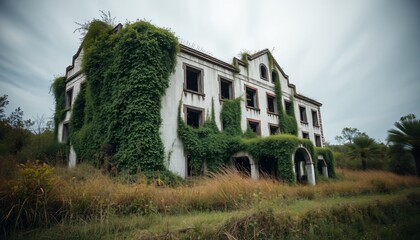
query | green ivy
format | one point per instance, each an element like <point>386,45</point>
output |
<point>127,74</point>
<point>329,159</point>
<point>59,90</point>
<point>231,116</point>
<point>287,120</point>
<point>206,144</point>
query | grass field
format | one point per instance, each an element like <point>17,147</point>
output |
<point>84,204</point>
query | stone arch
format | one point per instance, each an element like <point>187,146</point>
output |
<point>302,161</point>
<point>322,166</point>
<point>253,167</point>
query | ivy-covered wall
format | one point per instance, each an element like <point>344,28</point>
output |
<point>58,88</point>
<point>127,74</point>
<point>329,159</point>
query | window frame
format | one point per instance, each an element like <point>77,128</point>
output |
<point>200,82</point>
<point>195,109</point>
<point>270,95</point>
<point>272,76</point>
<point>256,102</point>
<point>258,122</point>
<point>65,132</point>
<point>317,136</point>
<point>315,121</point>
<point>69,100</point>
<point>287,103</point>
<point>231,90</point>
<point>273,125</point>
<point>266,78</point>
<point>303,118</point>
<point>307,134</point>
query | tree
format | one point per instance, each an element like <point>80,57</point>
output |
<point>364,148</point>
<point>348,134</point>
<point>407,133</point>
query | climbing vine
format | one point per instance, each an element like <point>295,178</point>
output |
<point>281,147</point>
<point>127,73</point>
<point>206,145</point>
<point>287,120</point>
<point>329,159</point>
<point>58,88</point>
<point>231,116</point>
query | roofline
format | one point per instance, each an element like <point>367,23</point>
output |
<point>188,50</point>
<point>310,100</point>
<point>112,31</point>
<point>206,57</point>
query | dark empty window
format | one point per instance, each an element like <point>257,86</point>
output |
<point>193,81</point>
<point>65,133</point>
<point>251,98</point>
<point>315,118</point>
<point>273,76</point>
<point>305,135</point>
<point>194,117</point>
<point>274,129</point>
<point>302,111</point>
<point>288,107</point>
<point>225,89</point>
<point>254,126</point>
<point>317,140</point>
<point>263,72</point>
<point>69,97</point>
<point>271,104</point>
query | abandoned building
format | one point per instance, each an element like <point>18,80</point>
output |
<point>200,79</point>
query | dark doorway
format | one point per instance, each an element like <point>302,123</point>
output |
<point>268,167</point>
<point>242,165</point>
<point>321,164</point>
<point>299,169</point>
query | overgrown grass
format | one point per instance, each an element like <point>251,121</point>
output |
<point>85,194</point>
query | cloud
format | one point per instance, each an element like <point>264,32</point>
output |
<point>359,58</point>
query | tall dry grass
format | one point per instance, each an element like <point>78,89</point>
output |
<point>85,193</point>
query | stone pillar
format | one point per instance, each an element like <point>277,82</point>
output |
<point>72,157</point>
<point>325,171</point>
<point>311,173</point>
<point>255,174</point>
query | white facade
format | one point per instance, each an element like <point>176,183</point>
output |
<point>211,72</point>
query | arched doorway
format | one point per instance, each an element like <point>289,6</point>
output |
<point>244,163</point>
<point>303,166</point>
<point>322,166</point>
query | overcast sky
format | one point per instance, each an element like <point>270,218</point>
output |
<point>361,59</point>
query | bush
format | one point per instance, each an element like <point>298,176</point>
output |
<point>26,200</point>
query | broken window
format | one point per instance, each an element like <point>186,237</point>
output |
<point>226,89</point>
<point>193,79</point>
<point>65,134</point>
<point>69,98</point>
<point>305,135</point>
<point>251,98</point>
<point>194,117</point>
<point>254,126</point>
<point>318,140</point>
<point>274,129</point>
<point>263,72</point>
<point>271,104</point>
<point>315,118</point>
<point>303,117</point>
